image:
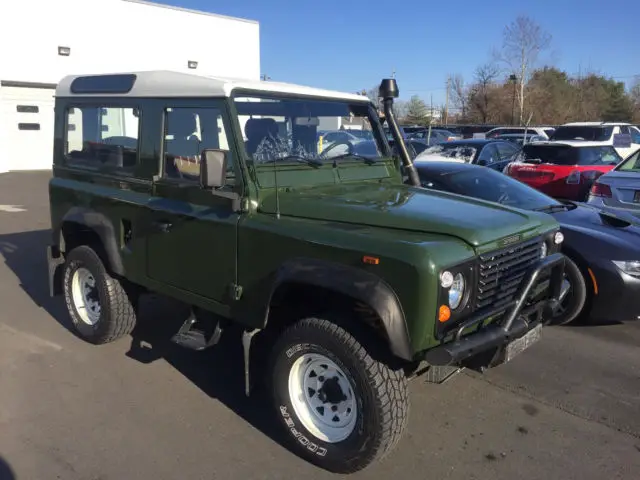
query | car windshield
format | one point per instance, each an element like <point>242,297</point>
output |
<point>451,150</point>
<point>491,185</point>
<point>568,155</point>
<point>299,130</point>
<point>591,133</point>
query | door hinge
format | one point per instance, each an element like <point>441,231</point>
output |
<point>235,291</point>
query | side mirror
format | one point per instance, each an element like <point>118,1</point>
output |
<point>213,168</point>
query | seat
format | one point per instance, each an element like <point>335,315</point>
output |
<point>184,147</point>
<point>257,130</point>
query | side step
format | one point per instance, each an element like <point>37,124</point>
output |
<point>199,331</point>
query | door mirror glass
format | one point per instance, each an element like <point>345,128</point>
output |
<point>213,168</point>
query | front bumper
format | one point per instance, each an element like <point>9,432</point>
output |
<point>613,284</point>
<point>488,344</point>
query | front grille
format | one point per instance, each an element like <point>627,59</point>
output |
<point>502,271</point>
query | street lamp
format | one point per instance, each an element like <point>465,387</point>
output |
<point>513,79</point>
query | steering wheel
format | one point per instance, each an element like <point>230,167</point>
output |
<point>333,145</point>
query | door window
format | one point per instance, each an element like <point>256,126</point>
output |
<point>189,131</point>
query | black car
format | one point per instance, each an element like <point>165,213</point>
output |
<point>495,154</point>
<point>602,270</point>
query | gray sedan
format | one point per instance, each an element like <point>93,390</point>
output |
<point>619,189</point>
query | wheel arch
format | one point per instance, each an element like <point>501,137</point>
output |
<point>81,225</point>
<point>362,287</point>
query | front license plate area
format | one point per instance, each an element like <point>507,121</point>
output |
<point>519,345</point>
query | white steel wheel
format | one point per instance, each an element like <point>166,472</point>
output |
<point>85,295</point>
<point>322,397</point>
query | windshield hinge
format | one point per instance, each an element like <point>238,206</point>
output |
<point>235,291</point>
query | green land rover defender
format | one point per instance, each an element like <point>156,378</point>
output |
<point>280,210</point>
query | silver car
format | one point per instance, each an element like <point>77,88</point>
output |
<point>619,189</point>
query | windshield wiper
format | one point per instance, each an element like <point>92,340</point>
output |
<point>367,160</point>
<point>552,208</point>
<point>296,158</point>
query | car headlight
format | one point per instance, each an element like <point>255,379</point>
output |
<point>456,291</point>
<point>630,267</point>
<point>558,238</point>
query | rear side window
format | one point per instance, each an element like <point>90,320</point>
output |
<point>595,133</point>
<point>631,164</point>
<point>549,131</point>
<point>102,136</point>
<point>568,155</point>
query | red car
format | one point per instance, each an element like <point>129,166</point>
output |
<point>563,169</point>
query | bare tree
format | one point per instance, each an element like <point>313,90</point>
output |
<point>522,41</point>
<point>480,94</point>
<point>459,94</point>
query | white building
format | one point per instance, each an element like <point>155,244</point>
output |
<point>44,40</point>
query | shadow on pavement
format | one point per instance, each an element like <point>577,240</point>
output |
<point>6,473</point>
<point>218,371</point>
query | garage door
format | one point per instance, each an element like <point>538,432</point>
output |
<point>26,123</point>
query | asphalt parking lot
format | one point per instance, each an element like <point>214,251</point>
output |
<point>142,408</point>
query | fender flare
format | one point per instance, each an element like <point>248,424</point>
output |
<point>102,226</point>
<point>359,284</point>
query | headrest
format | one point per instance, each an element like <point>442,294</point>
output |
<point>258,128</point>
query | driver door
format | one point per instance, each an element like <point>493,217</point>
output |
<point>191,245</point>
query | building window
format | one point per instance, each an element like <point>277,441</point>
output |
<point>28,126</point>
<point>27,109</point>
<point>188,131</point>
<point>102,137</point>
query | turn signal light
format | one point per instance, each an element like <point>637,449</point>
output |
<point>444,313</point>
<point>600,190</point>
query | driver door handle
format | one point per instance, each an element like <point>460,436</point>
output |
<point>162,226</point>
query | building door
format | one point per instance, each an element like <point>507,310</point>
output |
<point>26,128</point>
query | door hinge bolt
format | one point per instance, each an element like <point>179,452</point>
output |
<point>236,291</point>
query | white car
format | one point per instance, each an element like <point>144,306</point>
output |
<point>604,132</point>
<point>544,132</point>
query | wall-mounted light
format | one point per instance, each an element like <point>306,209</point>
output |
<point>64,51</point>
<point>192,64</point>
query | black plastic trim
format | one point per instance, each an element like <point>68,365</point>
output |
<point>356,283</point>
<point>105,230</point>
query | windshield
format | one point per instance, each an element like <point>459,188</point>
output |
<point>311,130</point>
<point>594,134</point>
<point>491,185</point>
<point>568,155</point>
<point>449,150</point>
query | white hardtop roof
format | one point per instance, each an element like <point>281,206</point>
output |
<point>573,143</point>
<point>167,83</point>
<point>594,124</point>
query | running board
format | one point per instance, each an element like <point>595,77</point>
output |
<point>193,337</point>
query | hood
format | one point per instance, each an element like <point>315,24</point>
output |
<point>619,228</point>
<point>440,158</point>
<point>475,221</point>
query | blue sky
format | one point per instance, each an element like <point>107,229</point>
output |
<point>349,45</point>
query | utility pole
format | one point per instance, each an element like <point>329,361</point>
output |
<point>446,108</point>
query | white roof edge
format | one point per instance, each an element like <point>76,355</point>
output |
<point>190,10</point>
<point>168,83</point>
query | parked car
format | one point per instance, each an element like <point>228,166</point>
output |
<point>544,132</point>
<point>439,134</point>
<point>495,154</point>
<point>415,146</point>
<point>603,250</point>
<point>619,189</point>
<point>521,138</point>
<point>602,132</point>
<point>563,169</point>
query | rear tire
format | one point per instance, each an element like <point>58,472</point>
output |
<point>573,305</point>
<point>100,308</point>
<point>341,408</point>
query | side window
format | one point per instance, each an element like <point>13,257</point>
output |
<point>489,154</point>
<point>102,136</point>
<point>624,129</point>
<point>189,131</point>
<point>506,151</point>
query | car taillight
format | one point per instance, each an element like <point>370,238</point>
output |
<point>574,177</point>
<point>600,190</point>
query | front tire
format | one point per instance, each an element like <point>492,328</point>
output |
<point>573,304</point>
<point>100,308</point>
<point>341,408</point>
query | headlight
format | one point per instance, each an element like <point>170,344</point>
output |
<point>630,267</point>
<point>456,292</point>
<point>558,238</point>
<point>543,250</point>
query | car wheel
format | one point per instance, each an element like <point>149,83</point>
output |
<point>341,408</point>
<point>573,302</point>
<point>100,308</point>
